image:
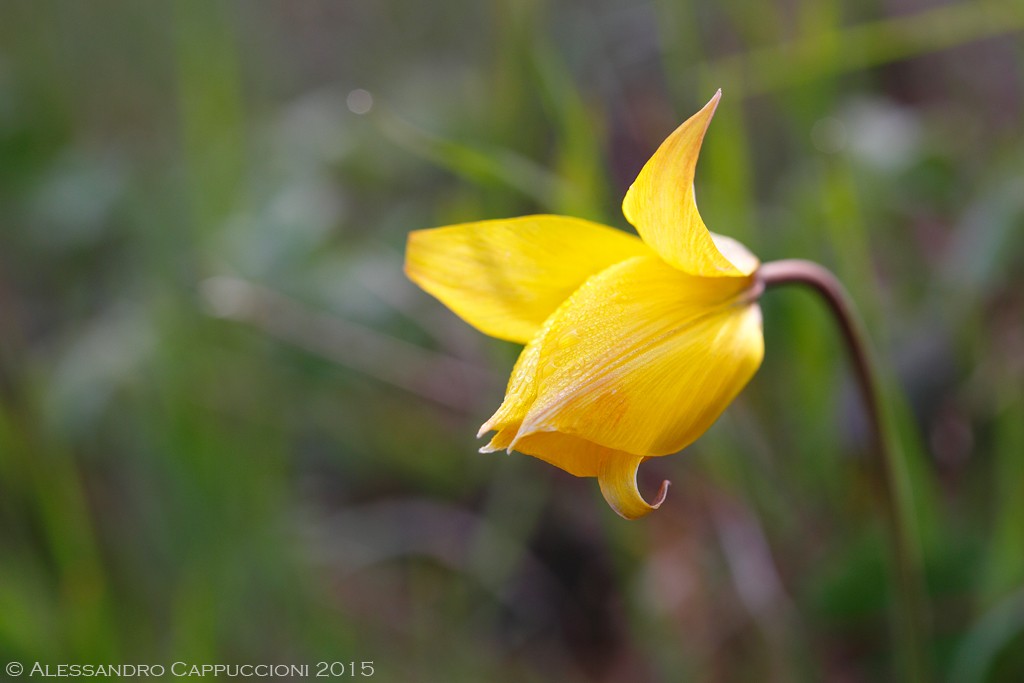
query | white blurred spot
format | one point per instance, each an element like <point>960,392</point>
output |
<point>359,101</point>
<point>72,205</point>
<point>226,296</point>
<point>102,356</point>
<point>883,134</point>
<point>829,135</point>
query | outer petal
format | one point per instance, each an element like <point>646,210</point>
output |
<point>576,456</point>
<point>519,396</point>
<point>644,358</point>
<point>661,206</point>
<point>505,277</point>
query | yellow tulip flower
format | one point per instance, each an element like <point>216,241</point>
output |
<point>634,346</point>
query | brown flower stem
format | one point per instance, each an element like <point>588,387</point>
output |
<point>891,470</point>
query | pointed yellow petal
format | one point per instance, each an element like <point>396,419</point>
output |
<point>617,477</point>
<point>661,206</point>
<point>643,358</point>
<point>505,277</point>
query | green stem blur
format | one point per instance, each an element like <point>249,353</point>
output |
<point>889,470</point>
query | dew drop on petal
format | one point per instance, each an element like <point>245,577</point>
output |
<point>568,339</point>
<point>547,370</point>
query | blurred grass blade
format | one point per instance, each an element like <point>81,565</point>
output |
<point>1005,561</point>
<point>210,107</point>
<point>854,48</point>
<point>981,647</point>
<point>481,166</point>
<point>446,380</point>
<point>579,161</point>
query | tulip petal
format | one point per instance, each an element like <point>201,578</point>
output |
<point>519,395</point>
<point>661,206</point>
<point>505,277</point>
<point>617,478</point>
<point>576,456</point>
<point>642,358</point>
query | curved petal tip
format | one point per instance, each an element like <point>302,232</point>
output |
<point>617,478</point>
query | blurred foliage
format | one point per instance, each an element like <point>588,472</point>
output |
<point>230,431</point>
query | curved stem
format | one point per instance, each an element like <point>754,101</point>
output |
<point>911,621</point>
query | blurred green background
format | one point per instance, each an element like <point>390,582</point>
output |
<point>231,431</point>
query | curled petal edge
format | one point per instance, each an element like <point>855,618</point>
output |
<point>617,478</point>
